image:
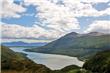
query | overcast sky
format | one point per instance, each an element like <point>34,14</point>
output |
<point>45,20</point>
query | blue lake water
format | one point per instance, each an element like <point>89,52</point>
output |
<point>52,61</point>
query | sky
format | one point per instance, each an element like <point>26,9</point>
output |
<point>47,20</point>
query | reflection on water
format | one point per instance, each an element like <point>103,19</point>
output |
<point>50,60</point>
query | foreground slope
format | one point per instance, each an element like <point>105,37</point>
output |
<point>100,63</point>
<point>12,62</point>
<point>74,44</point>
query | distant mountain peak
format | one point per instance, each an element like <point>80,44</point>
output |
<point>96,33</point>
<point>18,42</point>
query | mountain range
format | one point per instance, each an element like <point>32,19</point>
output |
<point>20,43</point>
<point>74,44</point>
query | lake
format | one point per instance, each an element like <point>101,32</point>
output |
<point>52,61</point>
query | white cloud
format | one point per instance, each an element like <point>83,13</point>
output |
<point>75,8</point>
<point>9,9</point>
<point>55,16</point>
<point>85,9</point>
<point>100,26</point>
<point>18,31</point>
<point>61,19</point>
<point>95,1</point>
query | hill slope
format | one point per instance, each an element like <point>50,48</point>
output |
<point>12,62</point>
<point>74,44</point>
<point>100,63</point>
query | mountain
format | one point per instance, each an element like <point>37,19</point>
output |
<point>20,43</point>
<point>12,62</point>
<point>74,44</point>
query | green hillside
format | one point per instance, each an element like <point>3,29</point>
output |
<point>12,62</point>
<point>72,69</point>
<point>100,63</point>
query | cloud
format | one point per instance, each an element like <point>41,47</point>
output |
<point>94,1</point>
<point>55,16</point>
<point>62,17</point>
<point>18,31</point>
<point>56,19</point>
<point>9,9</point>
<point>99,26</point>
<point>74,8</point>
<point>85,8</point>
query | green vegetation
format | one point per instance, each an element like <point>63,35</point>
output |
<point>72,69</point>
<point>100,63</point>
<point>67,69</point>
<point>12,62</point>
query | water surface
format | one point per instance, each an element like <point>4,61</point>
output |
<point>52,61</point>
